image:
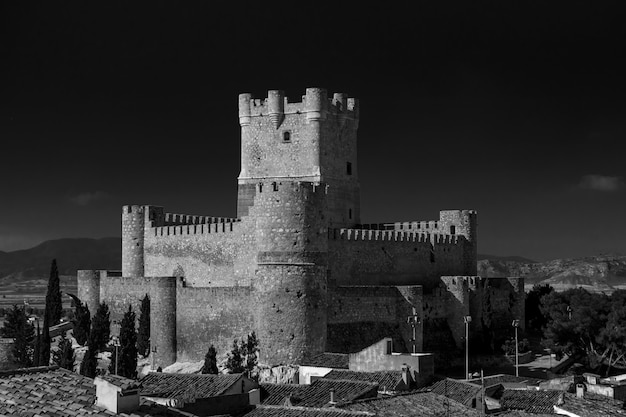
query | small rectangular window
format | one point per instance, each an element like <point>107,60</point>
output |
<point>349,168</point>
<point>287,136</point>
<point>350,213</point>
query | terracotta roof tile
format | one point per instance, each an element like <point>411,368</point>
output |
<point>386,380</point>
<point>411,404</point>
<point>277,411</point>
<point>503,378</point>
<point>592,405</point>
<point>119,381</point>
<point>531,401</point>
<point>328,360</point>
<point>460,391</point>
<point>318,393</point>
<point>275,394</point>
<point>186,386</point>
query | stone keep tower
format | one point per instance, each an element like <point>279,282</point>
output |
<point>314,141</point>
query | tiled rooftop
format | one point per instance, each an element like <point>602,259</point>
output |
<point>425,404</point>
<point>328,360</point>
<point>504,378</point>
<point>386,380</point>
<point>276,411</point>
<point>119,381</point>
<point>531,401</point>
<point>275,394</point>
<point>460,391</point>
<point>592,405</point>
<point>186,386</point>
<point>318,393</point>
<point>56,392</point>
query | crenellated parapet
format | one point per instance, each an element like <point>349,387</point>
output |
<point>173,219</point>
<point>394,235</point>
<point>315,105</point>
<point>196,229</point>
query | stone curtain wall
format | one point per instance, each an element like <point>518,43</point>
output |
<point>386,258</point>
<point>206,316</point>
<point>120,292</point>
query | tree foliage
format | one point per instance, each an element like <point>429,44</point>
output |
<point>243,356</point>
<point>54,304</point>
<point>64,356</point>
<point>143,335</point>
<point>16,326</point>
<point>101,327</point>
<point>127,362</point>
<point>586,324</point>
<point>89,364</point>
<point>535,319</point>
<point>81,322</point>
<point>210,361</point>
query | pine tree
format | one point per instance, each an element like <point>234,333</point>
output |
<point>210,361</point>
<point>16,326</point>
<point>64,354</point>
<point>54,305</point>
<point>101,327</point>
<point>127,365</point>
<point>81,322</point>
<point>143,336</point>
<point>234,363</point>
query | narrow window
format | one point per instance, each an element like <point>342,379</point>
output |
<point>350,213</point>
<point>349,168</point>
<point>452,230</point>
<point>432,256</point>
<point>286,136</point>
<point>275,186</point>
<point>260,187</point>
<point>388,347</point>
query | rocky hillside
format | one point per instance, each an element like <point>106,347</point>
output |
<point>597,273</point>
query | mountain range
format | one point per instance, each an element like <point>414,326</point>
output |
<point>597,273</point>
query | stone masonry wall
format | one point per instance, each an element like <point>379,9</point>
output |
<point>218,254</point>
<point>120,292</point>
<point>375,257</point>
<point>206,316</point>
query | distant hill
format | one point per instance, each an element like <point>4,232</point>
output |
<point>595,273</point>
<point>71,255</point>
<point>505,258</point>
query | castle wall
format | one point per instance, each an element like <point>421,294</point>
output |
<point>211,254</point>
<point>120,292</point>
<point>387,257</point>
<point>206,316</point>
<point>359,316</point>
<point>88,284</point>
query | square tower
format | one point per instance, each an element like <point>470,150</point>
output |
<point>312,140</point>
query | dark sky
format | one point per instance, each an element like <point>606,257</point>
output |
<point>515,109</point>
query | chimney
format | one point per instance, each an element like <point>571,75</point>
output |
<point>332,396</point>
<point>406,375</point>
<point>117,394</point>
<point>580,390</point>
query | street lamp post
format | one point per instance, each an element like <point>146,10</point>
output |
<point>515,324</point>
<point>153,349</point>
<point>115,337</point>
<point>467,320</point>
<point>413,320</point>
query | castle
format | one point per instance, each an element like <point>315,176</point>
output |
<point>296,265</point>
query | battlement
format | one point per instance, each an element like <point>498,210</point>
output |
<point>172,219</point>
<point>315,105</point>
<point>393,235</point>
<point>291,186</point>
<point>196,229</point>
<point>426,225</point>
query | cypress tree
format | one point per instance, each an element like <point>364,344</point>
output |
<point>101,327</point>
<point>143,336</point>
<point>37,347</point>
<point>81,321</point>
<point>210,361</point>
<point>251,347</point>
<point>16,326</point>
<point>127,362</point>
<point>234,363</point>
<point>64,354</point>
<point>89,364</point>
<point>54,305</point>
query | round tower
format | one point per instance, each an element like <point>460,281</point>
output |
<point>462,223</point>
<point>290,285</point>
<point>89,288</point>
<point>163,320</point>
<point>133,226</point>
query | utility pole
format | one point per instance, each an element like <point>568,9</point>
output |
<point>515,324</point>
<point>467,320</point>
